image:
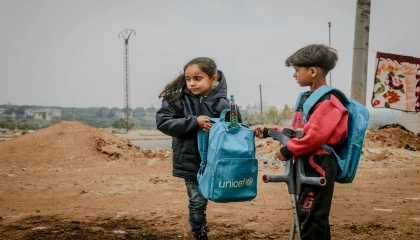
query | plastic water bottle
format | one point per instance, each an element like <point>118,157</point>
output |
<point>233,112</point>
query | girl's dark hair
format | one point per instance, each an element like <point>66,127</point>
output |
<point>173,90</point>
<point>315,55</point>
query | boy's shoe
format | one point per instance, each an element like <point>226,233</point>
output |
<point>202,234</point>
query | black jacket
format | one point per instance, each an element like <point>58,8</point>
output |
<point>179,120</point>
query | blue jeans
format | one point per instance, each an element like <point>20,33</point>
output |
<point>196,207</point>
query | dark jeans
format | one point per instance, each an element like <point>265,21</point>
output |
<point>315,201</point>
<point>197,206</point>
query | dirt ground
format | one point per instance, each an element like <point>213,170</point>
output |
<point>73,181</point>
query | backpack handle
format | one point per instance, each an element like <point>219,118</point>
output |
<point>222,116</point>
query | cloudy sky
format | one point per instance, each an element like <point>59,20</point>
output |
<point>67,53</point>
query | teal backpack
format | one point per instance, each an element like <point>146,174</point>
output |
<point>348,154</point>
<point>229,170</point>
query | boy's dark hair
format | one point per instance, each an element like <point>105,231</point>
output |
<point>173,90</point>
<point>315,55</point>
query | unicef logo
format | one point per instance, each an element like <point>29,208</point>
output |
<point>248,182</point>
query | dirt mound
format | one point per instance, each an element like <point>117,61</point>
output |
<point>68,143</point>
<point>393,135</point>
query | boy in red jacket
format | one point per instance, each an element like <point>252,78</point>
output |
<point>326,124</point>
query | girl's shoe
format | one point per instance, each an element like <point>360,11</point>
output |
<point>202,234</point>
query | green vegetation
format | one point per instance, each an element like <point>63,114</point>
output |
<point>103,117</point>
<point>251,115</point>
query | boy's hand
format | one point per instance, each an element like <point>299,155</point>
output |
<point>258,132</point>
<point>204,123</point>
<point>280,156</point>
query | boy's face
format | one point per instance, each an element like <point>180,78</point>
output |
<point>304,76</point>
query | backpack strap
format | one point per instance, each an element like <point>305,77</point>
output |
<point>203,142</point>
<point>298,100</point>
<point>203,139</point>
<point>329,149</point>
<point>317,95</point>
<point>313,100</point>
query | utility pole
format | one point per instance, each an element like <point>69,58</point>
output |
<point>126,35</point>
<point>360,52</point>
<point>329,44</point>
<point>261,107</point>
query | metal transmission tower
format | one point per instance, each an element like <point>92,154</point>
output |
<point>126,35</point>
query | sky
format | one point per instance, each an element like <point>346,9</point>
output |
<point>67,53</point>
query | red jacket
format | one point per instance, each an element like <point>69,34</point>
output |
<point>326,123</point>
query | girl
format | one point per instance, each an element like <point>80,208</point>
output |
<point>187,103</point>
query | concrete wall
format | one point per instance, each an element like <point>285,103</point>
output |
<point>411,121</point>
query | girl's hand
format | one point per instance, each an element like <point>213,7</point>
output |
<point>204,123</point>
<point>258,132</point>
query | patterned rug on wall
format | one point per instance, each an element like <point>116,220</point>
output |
<point>397,82</point>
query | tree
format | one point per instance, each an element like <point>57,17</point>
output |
<point>9,111</point>
<point>100,113</point>
<point>55,120</point>
<point>11,126</point>
<point>121,124</point>
<point>287,112</point>
<point>20,110</point>
<point>250,119</point>
<point>111,114</point>
<point>272,116</point>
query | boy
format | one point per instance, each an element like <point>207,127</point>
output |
<point>326,124</point>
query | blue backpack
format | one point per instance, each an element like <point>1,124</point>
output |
<point>348,154</point>
<point>229,170</point>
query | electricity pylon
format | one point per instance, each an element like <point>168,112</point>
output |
<point>126,35</point>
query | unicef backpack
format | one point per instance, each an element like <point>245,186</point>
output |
<point>229,170</point>
<point>348,154</point>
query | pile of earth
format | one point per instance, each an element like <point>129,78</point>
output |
<point>70,143</point>
<point>393,135</point>
<point>76,143</point>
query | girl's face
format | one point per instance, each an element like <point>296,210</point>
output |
<point>198,82</point>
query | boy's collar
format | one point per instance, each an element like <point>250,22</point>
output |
<point>315,88</point>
